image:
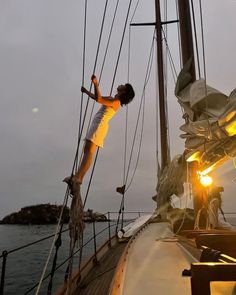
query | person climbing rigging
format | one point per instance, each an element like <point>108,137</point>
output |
<point>99,128</point>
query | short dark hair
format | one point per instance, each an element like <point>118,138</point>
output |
<point>128,96</point>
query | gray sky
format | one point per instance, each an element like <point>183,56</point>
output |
<point>40,67</point>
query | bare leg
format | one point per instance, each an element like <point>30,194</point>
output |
<point>89,150</point>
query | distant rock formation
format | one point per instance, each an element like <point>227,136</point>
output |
<point>46,214</point>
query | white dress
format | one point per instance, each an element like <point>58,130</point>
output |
<point>99,127</point>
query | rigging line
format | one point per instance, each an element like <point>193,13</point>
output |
<point>54,263</point>
<point>118,58</point>
<point>121,45</point>
<point>172,69</point>
<point>126,139</point>
<point>75,165</point>
<point>129,49</point>
<point>94,68</point>
<point>135,9</point>
<point>121,210</point>
<point>196,39</point>
<point>169,51</point>
<point>83,58</point>
<point>165,30</point>
<point>136,127</point>
<point>129,44</point>
<point>204,62</point>
<point>128,79</point>
<point>104,58</point>
<point>53,242</point>
<point>139,148</point>
<point>180,49</point>
<point>109,37</point>
<point>203,42</point>
<point>91,177</point>
<point>142,124</point>
<point>179,43</point>
<point>83,74</point>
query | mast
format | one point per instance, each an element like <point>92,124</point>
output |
<point>187,53</point>
<point>186,34</point>
<point>162,109</point>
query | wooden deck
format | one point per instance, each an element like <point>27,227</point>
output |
<point>98,280</point>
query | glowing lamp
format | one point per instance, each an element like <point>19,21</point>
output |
<point>231,128</point>
<point>206,180</point>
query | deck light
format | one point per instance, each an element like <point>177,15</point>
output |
<point>205,180</point>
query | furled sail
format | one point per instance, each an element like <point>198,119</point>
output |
<point>210,121</point>
<point>171,182</point>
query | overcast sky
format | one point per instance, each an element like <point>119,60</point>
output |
<point>40,80</point>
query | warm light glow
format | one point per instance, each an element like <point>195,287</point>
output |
<point>194,157</point>
<point>214,166</point>
<point>207,170</point>
<point>231,128</point>
<point>205,180</point>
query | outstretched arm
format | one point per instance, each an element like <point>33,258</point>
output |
<point>97,93</point>
<point>104,100</point>
<point>90,94</point>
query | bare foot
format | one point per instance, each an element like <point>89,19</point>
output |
<point>73,183</point>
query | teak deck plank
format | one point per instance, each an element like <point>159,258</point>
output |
<point>98,281</point>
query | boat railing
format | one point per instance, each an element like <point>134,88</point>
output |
<point>113,223</point>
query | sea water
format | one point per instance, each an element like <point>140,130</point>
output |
<point>24,267</point>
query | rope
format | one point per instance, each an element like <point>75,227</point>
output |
<point>127,107</point>
<point>121,45</point>
<point>203,43</point>
<point>179,43</point>
<point>147,76</point>
<point>104,59</point>
<point>53,242</point>
<point>75,160</point>
<point>142,123</point>
<point>196,40</point>
<point>112,85</point>
<point>54,264</point>
<point>171,60</point>
<point>87,103</point>
<point>76,212</point>
<point>83,66</point>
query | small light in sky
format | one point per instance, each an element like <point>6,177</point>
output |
<point>35,110</point>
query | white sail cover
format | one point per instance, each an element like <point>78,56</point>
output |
<point>209,133</point>
<point>210,120</point>
<point>171,182</point>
